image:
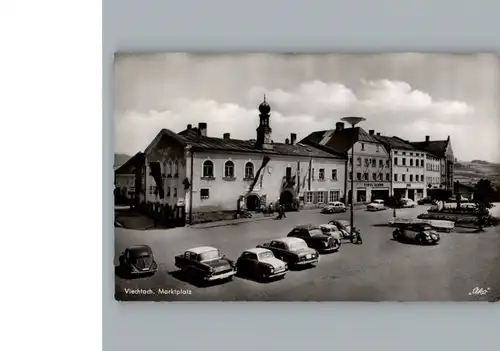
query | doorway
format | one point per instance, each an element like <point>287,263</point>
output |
<point>411,194</point>
<point>253,202</point>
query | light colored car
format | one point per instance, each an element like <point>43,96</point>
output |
<point>376,205</point>
<point>333,231</point>
<point>261,263</point>
<point>334,207</point>
<point>407,203</point>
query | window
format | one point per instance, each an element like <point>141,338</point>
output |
<point>367,161</point>
<point>334,196</point>
<point>416,163</point>
<point>359,161</point>
<point>374,176</point>
<point>404,153</point>
<point>312,174</point>
<point>288,172</point>
<point>204,193</point>
<point>322,174</point>
<point>404,178</point>
<point>165,168</point>
<point>151,189</point>
<point>404,161</point>
<point>362,146</point>
<point>350,162</point>
<point>366,176</point>
<point>358,175</point>
<point>175,192</point>
<point>378,148</point>
<point>411,177</point>
<point>350,175</point>
<point>208,169</point>
<point>169,169</point>
<point>334,174</point>
<point>381,163</point>
<point>249,170</point>
<point>395,161</point>
<point>411,162</point>
<point>309,197</point>
<point>421,163</point>
<point>395,152</point>
<point>411,153</point>
<point>168,191</point>
<point>176,168</point>
<point>374,162</point>
<point>395,177</point>
<point>380,176</point>
<point>229,169</point>
<point>387,163</point>
<point>387,177</point>
<point>320,196</point>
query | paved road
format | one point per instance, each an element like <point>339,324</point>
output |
<point>379,270</point>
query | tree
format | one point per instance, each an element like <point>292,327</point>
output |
<point>483,196</point>
<point>394,202</point>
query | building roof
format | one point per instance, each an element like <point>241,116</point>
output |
<point>395,143</point>
<point>129,166</point>
<point>199,142</point>
<point>202,249</point>
<point>435,147</point>
<point>338,141</point>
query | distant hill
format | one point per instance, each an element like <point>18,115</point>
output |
<point>120,159</point>
<point>471,172</point>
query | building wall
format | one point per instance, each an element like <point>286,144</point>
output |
<point>221,194</point>
<point>432,171</point>
<point>125,181</point>
<point>367,187</point>
<point>408,173</point>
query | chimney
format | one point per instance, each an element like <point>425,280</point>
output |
<point>287,141</point>
<point>227,136</point>
<point>378,134</point>
<point>339,126</point>
<point>189,127</point>
<point>202,129</point>
<point>371,131</point>
<point>293,138</point>
<point>427,138</point>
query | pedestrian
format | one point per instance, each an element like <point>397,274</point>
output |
<point>283,211</point>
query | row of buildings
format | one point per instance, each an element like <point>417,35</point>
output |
<point>209,178</point>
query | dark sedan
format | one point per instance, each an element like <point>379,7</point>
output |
<point>293,251</point>
<point>205,263</point>
<point>138,260</point>
<point>315,238</point>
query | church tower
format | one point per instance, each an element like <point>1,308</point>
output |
<point>264,130</point>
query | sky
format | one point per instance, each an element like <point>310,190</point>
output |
<point>406,95</point>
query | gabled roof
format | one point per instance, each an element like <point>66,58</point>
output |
<point>339,141</point>
<point>160,135</point>
<point>129,166</point>
<point>199,142</point>
<point>435,147</point>
<point>395,143</point>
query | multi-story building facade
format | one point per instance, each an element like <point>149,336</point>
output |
<point>408,168</point>
<point>433,175</point>
<point>441,149</point>
<point>371,166</point>
<point>207,178</point>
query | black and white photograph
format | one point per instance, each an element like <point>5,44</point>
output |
<point>301,177</point>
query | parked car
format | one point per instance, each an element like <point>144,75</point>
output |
<point>334,207</point>
<point>261,263</point>
<point>453,198</point>
<point>293,251</point>
<point>344,227</point>
<point>206,263</point>
<point>376,205</point>
<point>421,233</point>
<point>333,231</point>
<point>315,238</point>
<point>426,201</point>
<point>407,203</point>
<point>138,260</point>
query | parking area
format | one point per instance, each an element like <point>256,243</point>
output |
<point>380,269</point>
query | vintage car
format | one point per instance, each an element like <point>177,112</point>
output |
<point>426,201</point>
<point>344,227</point>
<point>376,205</point>
<point>293,251</point>
<point>138,260</point>
<point>261,263</point>
<point>438,225</point>
<point>407,203</point>
<point>421,233</point>
<point>333,231</point>
<point>334,207</point>
<point>206,263</point>
<point>315,238</point>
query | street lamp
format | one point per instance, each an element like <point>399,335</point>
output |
<point>352,121</point>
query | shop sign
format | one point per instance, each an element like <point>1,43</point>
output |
<point>374,185</point>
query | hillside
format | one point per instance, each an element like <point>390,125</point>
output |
<point>471,172</point>
<point>120,159</point>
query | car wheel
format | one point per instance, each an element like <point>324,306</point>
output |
<point>419,239</point>
<point>395,235</point>
<point>263,277</point>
